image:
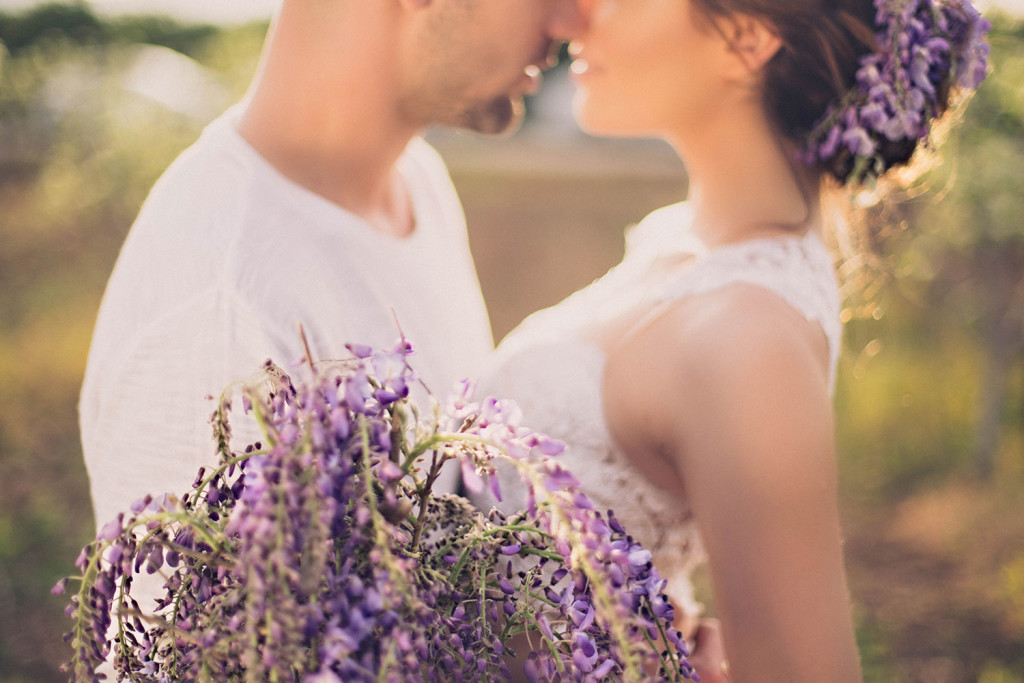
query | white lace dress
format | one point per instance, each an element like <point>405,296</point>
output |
<point>552,366</point>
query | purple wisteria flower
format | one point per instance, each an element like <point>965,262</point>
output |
<point>321,554</point>
<point>925,48</point>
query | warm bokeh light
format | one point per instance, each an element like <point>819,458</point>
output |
<point>935,541</point>
<point>215,11</point>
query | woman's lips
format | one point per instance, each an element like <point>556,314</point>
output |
<point>581,69</point>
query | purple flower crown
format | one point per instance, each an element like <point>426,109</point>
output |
<point>925,49</point>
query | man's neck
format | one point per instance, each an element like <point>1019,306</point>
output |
<point>358,175</point>
<point>329,125</point>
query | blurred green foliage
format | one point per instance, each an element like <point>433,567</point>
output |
<point>930,408</point>
<point>76,24</point>
<point>79,150</point>
<point>938,383</point>
<point>934,534</point>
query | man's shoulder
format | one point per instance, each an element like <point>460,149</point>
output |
<point>207,169</point>
<point>422,165</point>
<point>207,196</point>
<point>423,154</point>
<point>427,176</point>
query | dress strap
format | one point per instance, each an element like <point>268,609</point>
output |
<point>798,269</point>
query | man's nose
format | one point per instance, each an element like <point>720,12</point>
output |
<point>567,19</point>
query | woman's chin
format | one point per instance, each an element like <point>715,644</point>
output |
<point>607,128</point>
<point>597,119</point>
<point>591,118</point>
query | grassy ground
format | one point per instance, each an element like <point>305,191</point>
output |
<point>936,579</point>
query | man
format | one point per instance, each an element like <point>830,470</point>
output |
<point>313,202</point>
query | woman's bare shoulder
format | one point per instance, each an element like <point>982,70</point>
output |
<point>712,362</point>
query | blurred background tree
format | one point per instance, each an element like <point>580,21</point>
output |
<point>929,405</point>
<point>975,249</point>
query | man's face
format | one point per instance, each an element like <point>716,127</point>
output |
<point>472,61</point>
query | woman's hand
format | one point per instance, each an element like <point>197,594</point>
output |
<point>708,656</point>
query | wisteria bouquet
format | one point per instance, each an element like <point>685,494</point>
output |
<point>322,554</point>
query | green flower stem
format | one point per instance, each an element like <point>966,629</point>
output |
<point>678,674</point>
<point>381,536</point>
<point>550,645</point>
<point>457,569</point>
<point>438,440</point>
<point>482,592</point>
<point>226,465</point>
<point>397,434</point>
<point>633,668</point>
<point>424,493</point>
<point>80,638</point>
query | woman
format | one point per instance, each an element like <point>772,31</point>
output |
<point>693,382</point>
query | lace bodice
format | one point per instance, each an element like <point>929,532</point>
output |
<point>552,365</point>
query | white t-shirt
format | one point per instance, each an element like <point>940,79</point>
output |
<point>225,260</point>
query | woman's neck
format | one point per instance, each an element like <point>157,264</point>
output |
<point>744,180</point>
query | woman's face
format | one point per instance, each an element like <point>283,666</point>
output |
<point>648,67</point>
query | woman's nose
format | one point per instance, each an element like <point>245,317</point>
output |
<point>568,18</point>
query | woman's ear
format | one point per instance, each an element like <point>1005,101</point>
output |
<point>753,40</point>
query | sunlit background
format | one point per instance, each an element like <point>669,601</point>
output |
<point>227,12</point>
<point>96,100</point>
<point>222,12</point>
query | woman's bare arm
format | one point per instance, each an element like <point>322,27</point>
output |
<point>735,389</point>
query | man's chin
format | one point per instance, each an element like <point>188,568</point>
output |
<point>499,117</point>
